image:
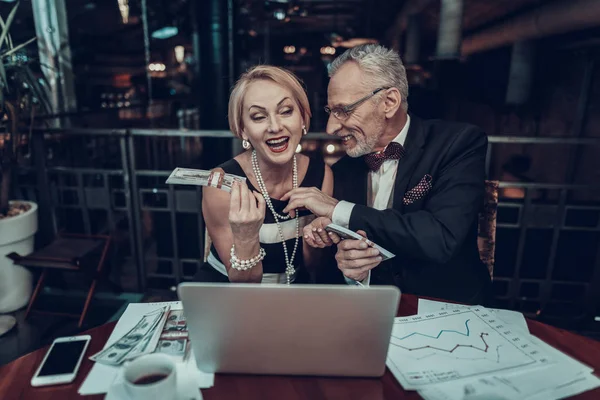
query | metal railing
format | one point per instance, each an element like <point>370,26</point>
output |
<point>113,181</point>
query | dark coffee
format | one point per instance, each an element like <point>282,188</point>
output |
<point>148,379</point>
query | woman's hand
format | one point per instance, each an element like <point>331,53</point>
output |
<point>246,215</point>
<point>316,236</point>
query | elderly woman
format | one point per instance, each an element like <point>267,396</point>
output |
<point>253,239</point>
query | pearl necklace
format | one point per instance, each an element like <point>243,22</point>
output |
<point>289,270</point>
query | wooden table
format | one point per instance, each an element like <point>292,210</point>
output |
<point>15,377</point>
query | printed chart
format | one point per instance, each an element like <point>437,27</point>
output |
<point>456,344</point>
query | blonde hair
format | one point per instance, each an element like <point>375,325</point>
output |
<point>278,75</point>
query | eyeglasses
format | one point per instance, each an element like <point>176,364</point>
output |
<point>344,112</point>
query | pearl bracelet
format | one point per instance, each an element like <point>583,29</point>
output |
<point>243,265</point>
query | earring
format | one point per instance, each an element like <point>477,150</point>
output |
<point>246,144</point>
<point>304,131</point>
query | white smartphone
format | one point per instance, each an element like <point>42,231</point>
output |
<point>62,361</point>
<point>348,234</point>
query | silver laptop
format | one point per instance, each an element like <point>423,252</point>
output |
<point>290,330</point>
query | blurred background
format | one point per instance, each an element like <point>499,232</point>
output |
<point>120,92</point>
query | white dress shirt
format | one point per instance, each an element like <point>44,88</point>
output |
<point>379,196</point>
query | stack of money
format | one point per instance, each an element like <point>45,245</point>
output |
<point>174,336</point>
<point>199,177</point>
<point>141,339</point>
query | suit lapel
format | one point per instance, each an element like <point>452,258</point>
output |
<point>350,181</point>
<point>359,181</point>
<point>415,141</point>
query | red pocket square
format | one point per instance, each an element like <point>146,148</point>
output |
<point>419,191</point>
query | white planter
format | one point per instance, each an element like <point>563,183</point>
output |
<point>16,234</point>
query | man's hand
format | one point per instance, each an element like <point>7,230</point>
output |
<point>312,199</point>
<point>315,234</point>
<point>355,258</point>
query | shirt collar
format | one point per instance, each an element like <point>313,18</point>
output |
<point>401,138</point>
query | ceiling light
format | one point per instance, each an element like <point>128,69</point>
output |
<point>353,42</point>
<point>279,14</point>
<point>327,50</point>
<point>124,10</point>
<point>157,67</point>
<point>330,148</point>
<point>179,53</point>
<point>165,32</point>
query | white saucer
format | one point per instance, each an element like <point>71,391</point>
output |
<point>7,322</point>
<point>187,389</point>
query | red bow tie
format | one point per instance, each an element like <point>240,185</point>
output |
<point>393,151</point>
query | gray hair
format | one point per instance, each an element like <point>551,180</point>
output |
<point>382,66</point>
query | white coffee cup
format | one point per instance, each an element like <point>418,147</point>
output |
<point>153,376</point>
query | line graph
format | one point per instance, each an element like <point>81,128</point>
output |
<point>455,344</point>
<point>454,357</point>
<point>439,334</point>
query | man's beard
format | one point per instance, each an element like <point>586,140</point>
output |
<point>365,144</point>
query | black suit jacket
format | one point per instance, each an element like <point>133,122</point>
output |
<point>435,237</point>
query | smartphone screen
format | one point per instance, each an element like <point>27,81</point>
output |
<point>63,358</point>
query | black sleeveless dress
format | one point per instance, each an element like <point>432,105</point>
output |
<point>274,262</point>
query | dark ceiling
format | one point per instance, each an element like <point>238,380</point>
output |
<point>97,23</point>
<point>105,46</point>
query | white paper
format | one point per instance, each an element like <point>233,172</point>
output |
<point>581,383</point>
<point>566,377</point>
<point>510,317</point>
<point>101,377</point>
<point>458,344</point>
<point>549,383</point>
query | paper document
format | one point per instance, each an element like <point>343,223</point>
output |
<point>102,376</point>
<point>348,234</point>
<point>566,377</point>
<point>513,318</point>
<point>547,384</point>
<point>458,344</point>
<point>199,177</point>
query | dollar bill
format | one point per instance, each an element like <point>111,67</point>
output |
<point>148,343</point>
<point>175,326</point>
<point>138,339</point>
<point>199,177</point>
<point>174,347</point>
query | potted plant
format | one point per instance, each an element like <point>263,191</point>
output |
<point>20,95</point>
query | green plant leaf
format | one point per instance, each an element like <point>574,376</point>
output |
<point>9,39</point>
<point>19,47</point>
<point>38,91</point>
<point>8,23</point>
<point>3,78</point>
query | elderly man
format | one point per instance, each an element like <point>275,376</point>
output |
<point>412,186</point>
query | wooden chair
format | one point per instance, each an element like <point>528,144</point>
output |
<point>486,238</point>
<point>68,252</point>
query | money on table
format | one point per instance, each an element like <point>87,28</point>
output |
<point>144,338</point>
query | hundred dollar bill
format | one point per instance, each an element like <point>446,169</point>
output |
<point>199,177</point>
<point>174,347</point>
<point>140,335</point>
<point>175,326</point>
<point>148,344</point>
